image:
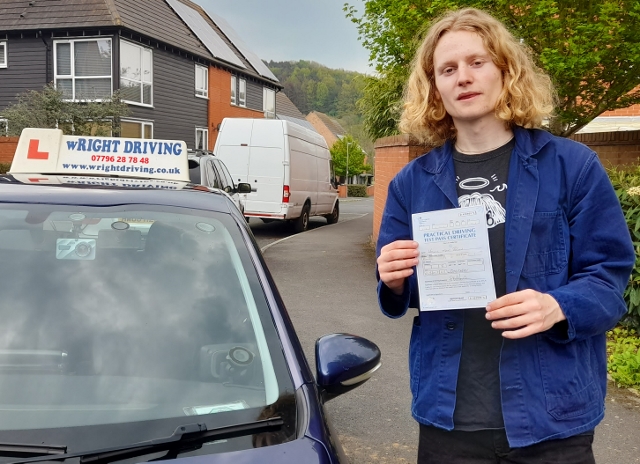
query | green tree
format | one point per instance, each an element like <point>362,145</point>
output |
<point>356,157</point>
<point>590,49</point>
<point>47,108</point>
<point>381,103</point>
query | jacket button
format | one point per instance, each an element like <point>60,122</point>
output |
<point>451,325</point>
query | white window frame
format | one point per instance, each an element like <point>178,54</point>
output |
<point>234,89</point>
<point>242,93</point>
<point>72,76</point>
<point>142,122</point>
<point>202,92</point>
<point>268,114</point>
<point>205,137</point>
<point>142,79</point>
<point>4,54</point>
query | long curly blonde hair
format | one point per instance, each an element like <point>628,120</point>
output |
<point>527,97</point>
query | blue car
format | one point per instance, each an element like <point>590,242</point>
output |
<point>140,322</point>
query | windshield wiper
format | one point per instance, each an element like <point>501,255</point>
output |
<point>185,437</point>
<point>24,450</point>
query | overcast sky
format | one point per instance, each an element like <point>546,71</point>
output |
<point>291,30</point>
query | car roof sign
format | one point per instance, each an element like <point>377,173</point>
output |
<point>49,151</point>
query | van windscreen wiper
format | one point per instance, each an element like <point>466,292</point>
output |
<point>186,437</point>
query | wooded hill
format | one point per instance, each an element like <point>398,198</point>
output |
<point>314,87</point>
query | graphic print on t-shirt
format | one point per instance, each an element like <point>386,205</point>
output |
<point>496,213</point>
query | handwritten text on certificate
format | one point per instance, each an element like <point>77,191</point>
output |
<point>454,269</point>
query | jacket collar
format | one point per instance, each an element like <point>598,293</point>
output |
<point>529,142</point>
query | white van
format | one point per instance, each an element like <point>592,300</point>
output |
<point>288,166</point>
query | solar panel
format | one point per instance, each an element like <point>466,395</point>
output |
<point>205,33</point>
<point>251,57</point>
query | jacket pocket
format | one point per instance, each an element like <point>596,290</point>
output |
<point>414,357</point>
<point>570,388</point>
<point>568,407</point>
<point>547,250</point>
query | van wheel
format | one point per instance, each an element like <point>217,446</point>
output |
<point>335,214</point>
<point>302,223</point>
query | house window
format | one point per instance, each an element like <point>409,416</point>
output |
<point>269,103</point>
<point>202,138</point>
<point>136,129</point>
<point>136,64</point>
<point>82,68</point>
<point>3,54</point>
<point>233,90</point>
<point>242,93</point>
<point>202,81</point>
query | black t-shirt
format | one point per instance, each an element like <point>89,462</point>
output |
<point>482,179</point>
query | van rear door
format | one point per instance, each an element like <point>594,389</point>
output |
<point>232,147</point>
<point>266,168</point>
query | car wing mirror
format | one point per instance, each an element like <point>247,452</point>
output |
<point>243,187</point>
<point>344,362</point>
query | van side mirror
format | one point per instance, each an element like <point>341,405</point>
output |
<point>243,187</point>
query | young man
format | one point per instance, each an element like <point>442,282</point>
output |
<point>522,380</point>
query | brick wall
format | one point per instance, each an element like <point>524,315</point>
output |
<point>391,155</point>
<point>220,106</point>
<point>633,110</point>
<point>8,147</point>
<point>371,189</point>
<point>322,129</point>
<point>613,148</point>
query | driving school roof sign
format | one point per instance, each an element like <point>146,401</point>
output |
<point>48,151</point>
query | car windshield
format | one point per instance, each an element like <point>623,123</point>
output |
<point>126,321</point>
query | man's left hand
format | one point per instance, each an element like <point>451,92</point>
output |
<point>524,313</point>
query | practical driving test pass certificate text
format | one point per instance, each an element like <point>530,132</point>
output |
<point>454,269</point>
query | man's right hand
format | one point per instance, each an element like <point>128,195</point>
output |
<point>395,263</point>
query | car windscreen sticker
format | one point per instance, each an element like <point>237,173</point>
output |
<point>71,248</point>
<point>212,409</point>
<point>48,151</point>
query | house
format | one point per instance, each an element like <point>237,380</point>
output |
<point>180,68</point>
<point>330,129</point>
<point>286,110</point>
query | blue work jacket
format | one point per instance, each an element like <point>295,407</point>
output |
<point>565,235</point>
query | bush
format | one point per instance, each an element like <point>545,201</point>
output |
<point>4,167</point>
<point>626,182</point>
<point>623,350</point>
<point>356,190</point>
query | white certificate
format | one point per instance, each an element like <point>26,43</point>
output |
<point>454,269</point>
